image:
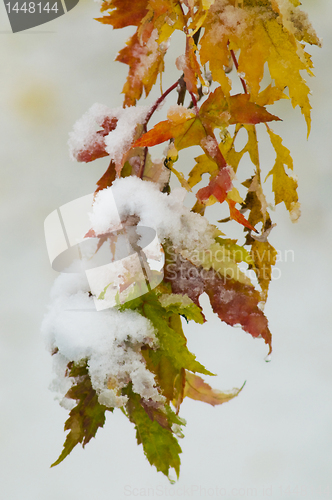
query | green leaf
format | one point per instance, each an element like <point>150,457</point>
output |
<point>183,305</point>
<point>238,253</point>
<point>159,444</point>
<point>87,416</point>
<point>172,344</point>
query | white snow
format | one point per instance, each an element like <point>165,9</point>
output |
<point>118,141</point>
<point>165,213</point>
<point>110,341</point>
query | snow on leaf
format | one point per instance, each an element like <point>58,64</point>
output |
<point>196,388</point>
<point>145,61</point>
<point>86,417</point>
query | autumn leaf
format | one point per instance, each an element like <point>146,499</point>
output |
<point>107,178</point>
<point>204,165</point>
<point>196,388</point>
<point>189,65</point>
<point>284,186</point>
<point>235,214</point>
<point>264,256</point>
<point>172,343</point>
<point>145,61</point>
<point>217,111</point>
<point>86,417</point>
<point>235,302</point>
<point>96,147</point>
<point>123,12</point>
<point>159,443</point>
<point>218,187</point>
<point>260,37</point>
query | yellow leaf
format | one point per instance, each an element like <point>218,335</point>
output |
<point>283,185</point>
<point>285,65</point>
<point>270,95</point>
<point>264,257</point>
<point>234,195</point>
<point>204,165</point>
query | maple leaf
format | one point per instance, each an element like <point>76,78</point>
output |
<point>196,388</point>
<point>235,302</point>
<point>260,37</point>
<point>146,61</point>
<point>218,111</point>
<point>283,185</point>
<point>182,305</point>
<point>189,65</point>
<point>172,341</point>
<point>85,418</point>
<point>159,443</point>
<point>123,12</point>
<point>172,356</point>
<point>96,147</point>
<point>107,178</point>
<point>264,256</point>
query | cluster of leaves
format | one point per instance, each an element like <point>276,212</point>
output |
<point>248,36</point>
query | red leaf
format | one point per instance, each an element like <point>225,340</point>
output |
<point>96,148</point>
<point>218,187</point>
<point>234,302</point>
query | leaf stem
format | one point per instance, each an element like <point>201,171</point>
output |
<point>160,100</point>
<point>236,64</point>
<point>194,100</point>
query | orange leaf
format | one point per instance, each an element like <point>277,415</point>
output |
<point>107,179</point>
<point>217,111</point>
<point>159,133</point>
<point>246,112</point>
<point>235,214</point>
<point>145,60</point>
<point>124,13</point>
<point>183,126</point>
<point>196,388</point>
<point>189,65</point>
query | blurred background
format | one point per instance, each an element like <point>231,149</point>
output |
<point>275,439</point>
